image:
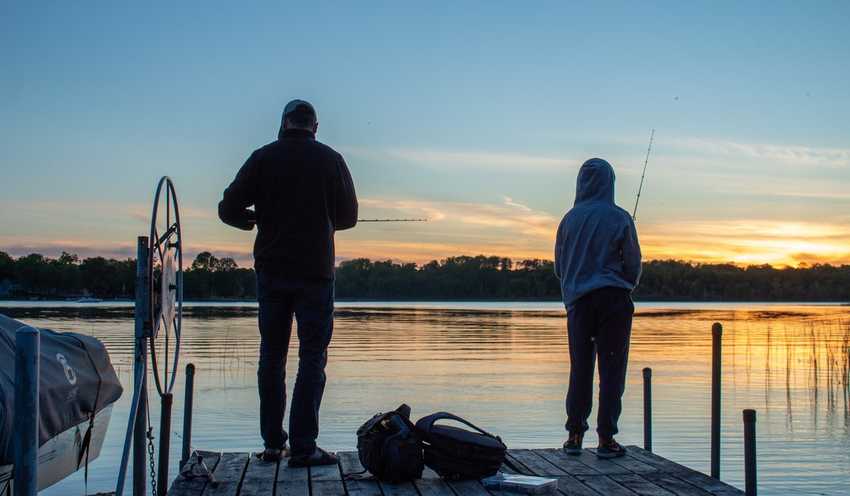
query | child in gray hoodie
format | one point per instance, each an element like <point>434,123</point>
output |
<point>598,262</point>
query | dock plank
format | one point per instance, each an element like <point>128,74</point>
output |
<point>326,480</point>
<point>650,458</point>
<point>687,474</point>
<point>640,485</point>
<point>194,486</point>
<point>537,465</point>
<point>603,466</point>
<point>350,464</point>
<point>327,488</point>
<point>676,485</point>
<point>259,477</point>
<point>325,473</point>
<point>228,474</point>
<point>630,463</point>
<point>706,483</point>
<point>292,481</point>
<point>468,488</point>
<point>571,464</point>
<point>398,489</point>
<point>432,485</point>
<point>604,484</point>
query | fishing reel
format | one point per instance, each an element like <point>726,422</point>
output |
<point>165,273</point>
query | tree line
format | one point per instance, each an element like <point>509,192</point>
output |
<point>462,277</point>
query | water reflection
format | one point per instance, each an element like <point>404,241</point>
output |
<point>505,367</point>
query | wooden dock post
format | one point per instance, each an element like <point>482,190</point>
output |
<point>647,409</point>
<point>164,444</point>
<point>187,414</point>
<point>750,452</point>
<point>716,362</point>
<point>27,350</point>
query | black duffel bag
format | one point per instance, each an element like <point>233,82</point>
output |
<point>457,453</point>
<point>389,448</point>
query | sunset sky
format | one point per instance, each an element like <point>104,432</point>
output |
<point>474,115</point>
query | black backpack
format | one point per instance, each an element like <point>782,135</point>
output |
<point>457,453</point>
<point>389,448</point>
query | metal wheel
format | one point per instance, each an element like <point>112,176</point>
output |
<point>165,272</point>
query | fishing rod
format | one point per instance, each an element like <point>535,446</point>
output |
<point>392,220</point>
<point>643,174</point>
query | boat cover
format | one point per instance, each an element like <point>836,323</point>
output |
<point>76,381</point>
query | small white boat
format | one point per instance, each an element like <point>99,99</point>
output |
<point>63,454</point>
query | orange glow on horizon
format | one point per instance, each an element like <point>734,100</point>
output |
<point>507,229</point>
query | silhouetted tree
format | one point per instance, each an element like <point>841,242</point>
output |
<point>461,277</point>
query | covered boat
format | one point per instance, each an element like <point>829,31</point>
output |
<point>77,387</point>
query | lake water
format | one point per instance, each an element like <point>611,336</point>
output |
<point>504,366</point>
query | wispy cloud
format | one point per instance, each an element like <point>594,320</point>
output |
<point>469,158</point>
<point>143,212</point>
<point>799,155</point>
<point>508,216</point>
<point>506,228</point>
<point>87,208</point>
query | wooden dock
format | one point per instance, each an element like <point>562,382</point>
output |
<point>639,473</point>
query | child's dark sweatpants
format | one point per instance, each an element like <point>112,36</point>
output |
<point>599,323</point>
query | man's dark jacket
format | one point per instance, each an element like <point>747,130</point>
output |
<point>302,193</point>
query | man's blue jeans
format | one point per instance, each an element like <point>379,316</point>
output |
<point>312,304</point>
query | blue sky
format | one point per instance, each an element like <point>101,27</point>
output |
<point>476,115</point>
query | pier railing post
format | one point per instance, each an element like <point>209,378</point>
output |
<point>27,350</point>
<point>716,362</point>
<point>647,409</point>
<point>164,444</point>
<point>141,357</point>
<point>187,414</point>
<point>750,452</point>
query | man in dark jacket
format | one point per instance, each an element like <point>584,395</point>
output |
<point>597,259</point>
<point>302,193</point>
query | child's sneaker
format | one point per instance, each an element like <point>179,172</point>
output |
<point>610,449</point>
<point>573,444</point>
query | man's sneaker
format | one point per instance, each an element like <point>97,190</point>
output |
<point>573,444</point>
<point>318,457</point>
<point>610,449</point>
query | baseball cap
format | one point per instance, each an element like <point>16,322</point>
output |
<point>299,106</point>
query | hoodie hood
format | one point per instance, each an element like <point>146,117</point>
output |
<point>595,182</point>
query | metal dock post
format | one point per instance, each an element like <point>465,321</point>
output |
<point>141,357</point>
<point>647,409</point>
<point>187,414</point>
<point>750,452</point>
<point>164,444</point>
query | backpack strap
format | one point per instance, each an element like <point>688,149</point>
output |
<point>358,476</point>
<point>432,419</point>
